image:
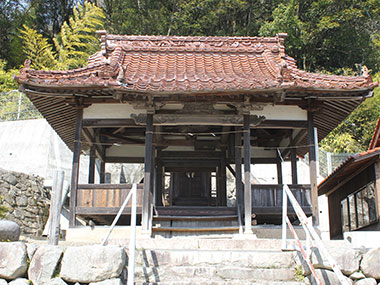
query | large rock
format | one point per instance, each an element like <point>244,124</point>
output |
<point>57,281</point>
<point>9,231</point>
<point>366,281</point>
<point>20,281</point>
<point>43,264</point>
<point>327,277</point>
<point>344,255</point>
<point>12,260</point>
<point>370,263</point>
<point>92,263</point>
<point>3,282</point>
<point>114,281</point>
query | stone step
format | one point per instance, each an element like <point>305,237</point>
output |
<point>229,282</point>
<point>195,218</point>
<point>238,242</point>
<point>195,229</point>
<point>214,273</point>
<point>221,258</point>
<point>194,210</point>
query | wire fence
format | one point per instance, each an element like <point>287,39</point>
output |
<point>14,105</point>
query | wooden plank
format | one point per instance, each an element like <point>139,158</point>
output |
<point>195,218</point>
<point>91,166</point>
<point>277,211</point>
<point>195,211</point>
<point>147,172</point>
<point>238,162</point>
<point>108,186</point>
<point>247,176</point>
<point>180,229</point>
<point>75,166</point>
<point>105,210</point>
<point>55,207</point>
<point>293,160</point>
<point>313,167</point>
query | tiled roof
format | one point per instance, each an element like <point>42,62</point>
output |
<point>350,165</point>
<point>169,64</point>
<point>375,142</point>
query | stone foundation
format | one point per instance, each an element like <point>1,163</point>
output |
<point>25,200</point>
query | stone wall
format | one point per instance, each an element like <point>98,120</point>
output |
<point>22,263</point>
<point>25,200</point>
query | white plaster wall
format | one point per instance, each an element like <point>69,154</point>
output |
<point>109,111</point>
<point>33,147</point>
<point>282,112</point>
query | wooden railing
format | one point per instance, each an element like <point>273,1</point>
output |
<point>267,199</point>
<point>105,199</point>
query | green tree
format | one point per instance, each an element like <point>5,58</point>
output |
<point>37,48</point>
<point>13,104</point>
<point>72,46</point>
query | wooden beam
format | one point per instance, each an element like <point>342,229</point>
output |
<point>91,166</point>
<point>298,138</point>
<point>147,173</point>
<point>124,159</point>
<point>93,142</point>
<point>238,162</point>
<point>349,177</point>
<point>282,124</point>
<point>75,167</point>
<point>247,176</point>
<point>313,141</point>
<point>223,182</point>
<point>279,172</point>
<point>109,123</point>
<point>293,160</point>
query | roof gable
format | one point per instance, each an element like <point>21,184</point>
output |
<point>170,64</point>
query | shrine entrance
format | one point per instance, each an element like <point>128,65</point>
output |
<point>190,189</point>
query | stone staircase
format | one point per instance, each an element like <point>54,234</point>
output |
<point>192,260</point>
<point>185,220</point>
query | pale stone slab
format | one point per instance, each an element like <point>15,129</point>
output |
<point>370,263</point>
<point>346,258</point>
<point>88,264</point>
<point>327,277</point>
<point>114,281</point>
<point>366,281</point>
<point>43,264</point>
<point>57,281</point>
<point>9,231</point>
<point>12,260</point>
<point>20,281</point>
<point>357,276</point>
<point>3,282</point>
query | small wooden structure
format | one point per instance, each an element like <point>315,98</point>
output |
<point>191,109</point>
<point>353,192</point>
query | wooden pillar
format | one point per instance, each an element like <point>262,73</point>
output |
<point>247,176</point>
<point>75,167</point>
<point>159,183</point>
<point>147,173</point>
<point>313,167</point>
<point>293,159</point>
<point>91,166</point>
<point>238,179</point>
<point>217,177</point>
<point>279,171</point>
<point>223,180</point>
<point>102,177</point>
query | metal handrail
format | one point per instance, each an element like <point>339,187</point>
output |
<point>309,231</point>
<point>132,240</point>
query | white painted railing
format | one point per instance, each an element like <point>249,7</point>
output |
<point>132,239</point>
<point>311,236</point>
